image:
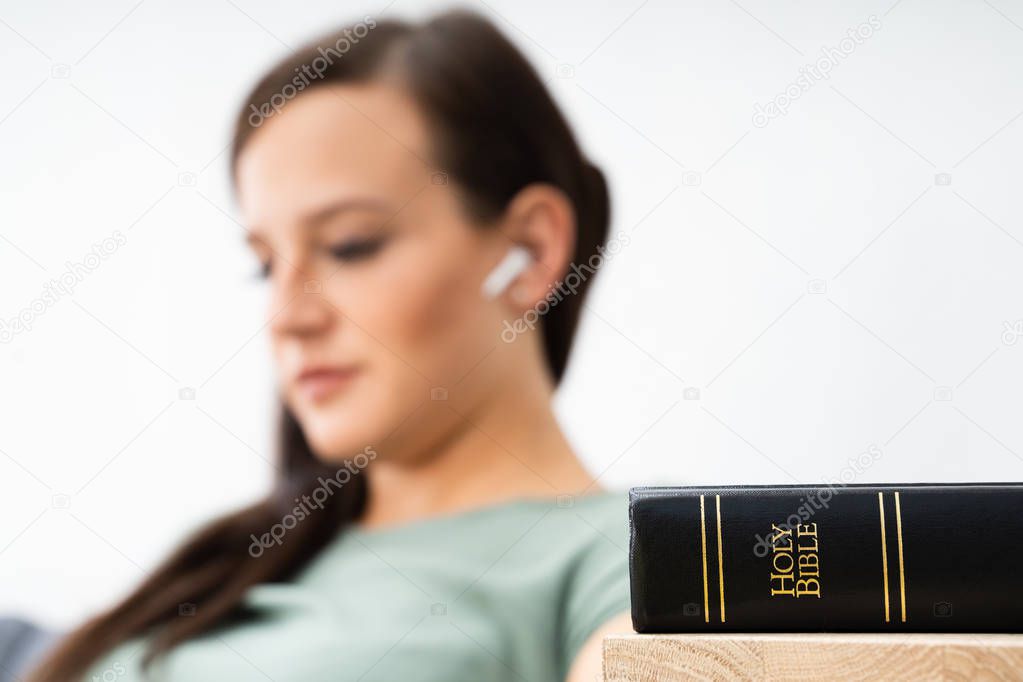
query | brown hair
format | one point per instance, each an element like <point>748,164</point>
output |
<point>496,130</point>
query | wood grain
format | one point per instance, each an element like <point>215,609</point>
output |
<point>806,657</point>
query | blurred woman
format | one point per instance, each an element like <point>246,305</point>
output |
<point>415,200</point>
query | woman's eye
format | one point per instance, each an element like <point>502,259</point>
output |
<point>352,251</point>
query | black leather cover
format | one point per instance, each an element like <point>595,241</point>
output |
<point>951,559</point>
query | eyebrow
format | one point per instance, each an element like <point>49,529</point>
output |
<point>330,210</point>
<point>320,215</point>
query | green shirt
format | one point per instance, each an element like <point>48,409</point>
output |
<point>505,592</point>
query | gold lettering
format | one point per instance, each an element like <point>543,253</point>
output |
<point>782,534</point>
<point>808,565</point>
<point>783,562</point>
<point>803,587</point>
<point>781,578</point>
<point>795,565</point>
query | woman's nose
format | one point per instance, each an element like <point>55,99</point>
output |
<point>299,306</point>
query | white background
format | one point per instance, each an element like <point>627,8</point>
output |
<point>108,109</point>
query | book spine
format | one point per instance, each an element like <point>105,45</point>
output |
<point>912,558</point>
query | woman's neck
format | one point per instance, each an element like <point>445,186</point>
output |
<point>507,447</point>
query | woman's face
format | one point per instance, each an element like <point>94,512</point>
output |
<point>373,268</point>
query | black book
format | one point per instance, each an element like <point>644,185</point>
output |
<point>857,558</point>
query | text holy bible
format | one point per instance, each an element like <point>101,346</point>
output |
<point>857,558</point>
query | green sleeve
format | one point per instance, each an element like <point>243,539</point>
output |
<point>598,586</point>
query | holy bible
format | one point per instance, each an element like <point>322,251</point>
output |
<point>854,558</point>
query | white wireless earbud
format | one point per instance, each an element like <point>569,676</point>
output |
<point>504,273</point>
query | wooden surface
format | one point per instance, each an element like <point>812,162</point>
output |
<point>804,657</point>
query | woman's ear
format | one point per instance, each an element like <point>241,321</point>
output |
<point>540,218</point>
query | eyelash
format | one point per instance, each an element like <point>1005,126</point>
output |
<point>351,252</point>
<point>356,250</point>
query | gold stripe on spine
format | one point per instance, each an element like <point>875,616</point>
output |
<point>721,566</point>
<point>902,570</point>
<point>884,558</point>
<point>703,542</point>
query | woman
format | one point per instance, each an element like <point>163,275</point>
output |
<point>430,520</point>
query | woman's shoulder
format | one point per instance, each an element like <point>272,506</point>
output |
<point>555,546</point>
<point>604,514</point>
<point>591,535</point>
<point>570,552</point>
<point>567,531</point>
<point>592,523</point>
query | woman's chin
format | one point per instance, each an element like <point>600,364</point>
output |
<point>332,443</point>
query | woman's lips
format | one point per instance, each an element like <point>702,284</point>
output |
<point>319,383</point>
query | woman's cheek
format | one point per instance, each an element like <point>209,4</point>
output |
<point>431,312</point>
